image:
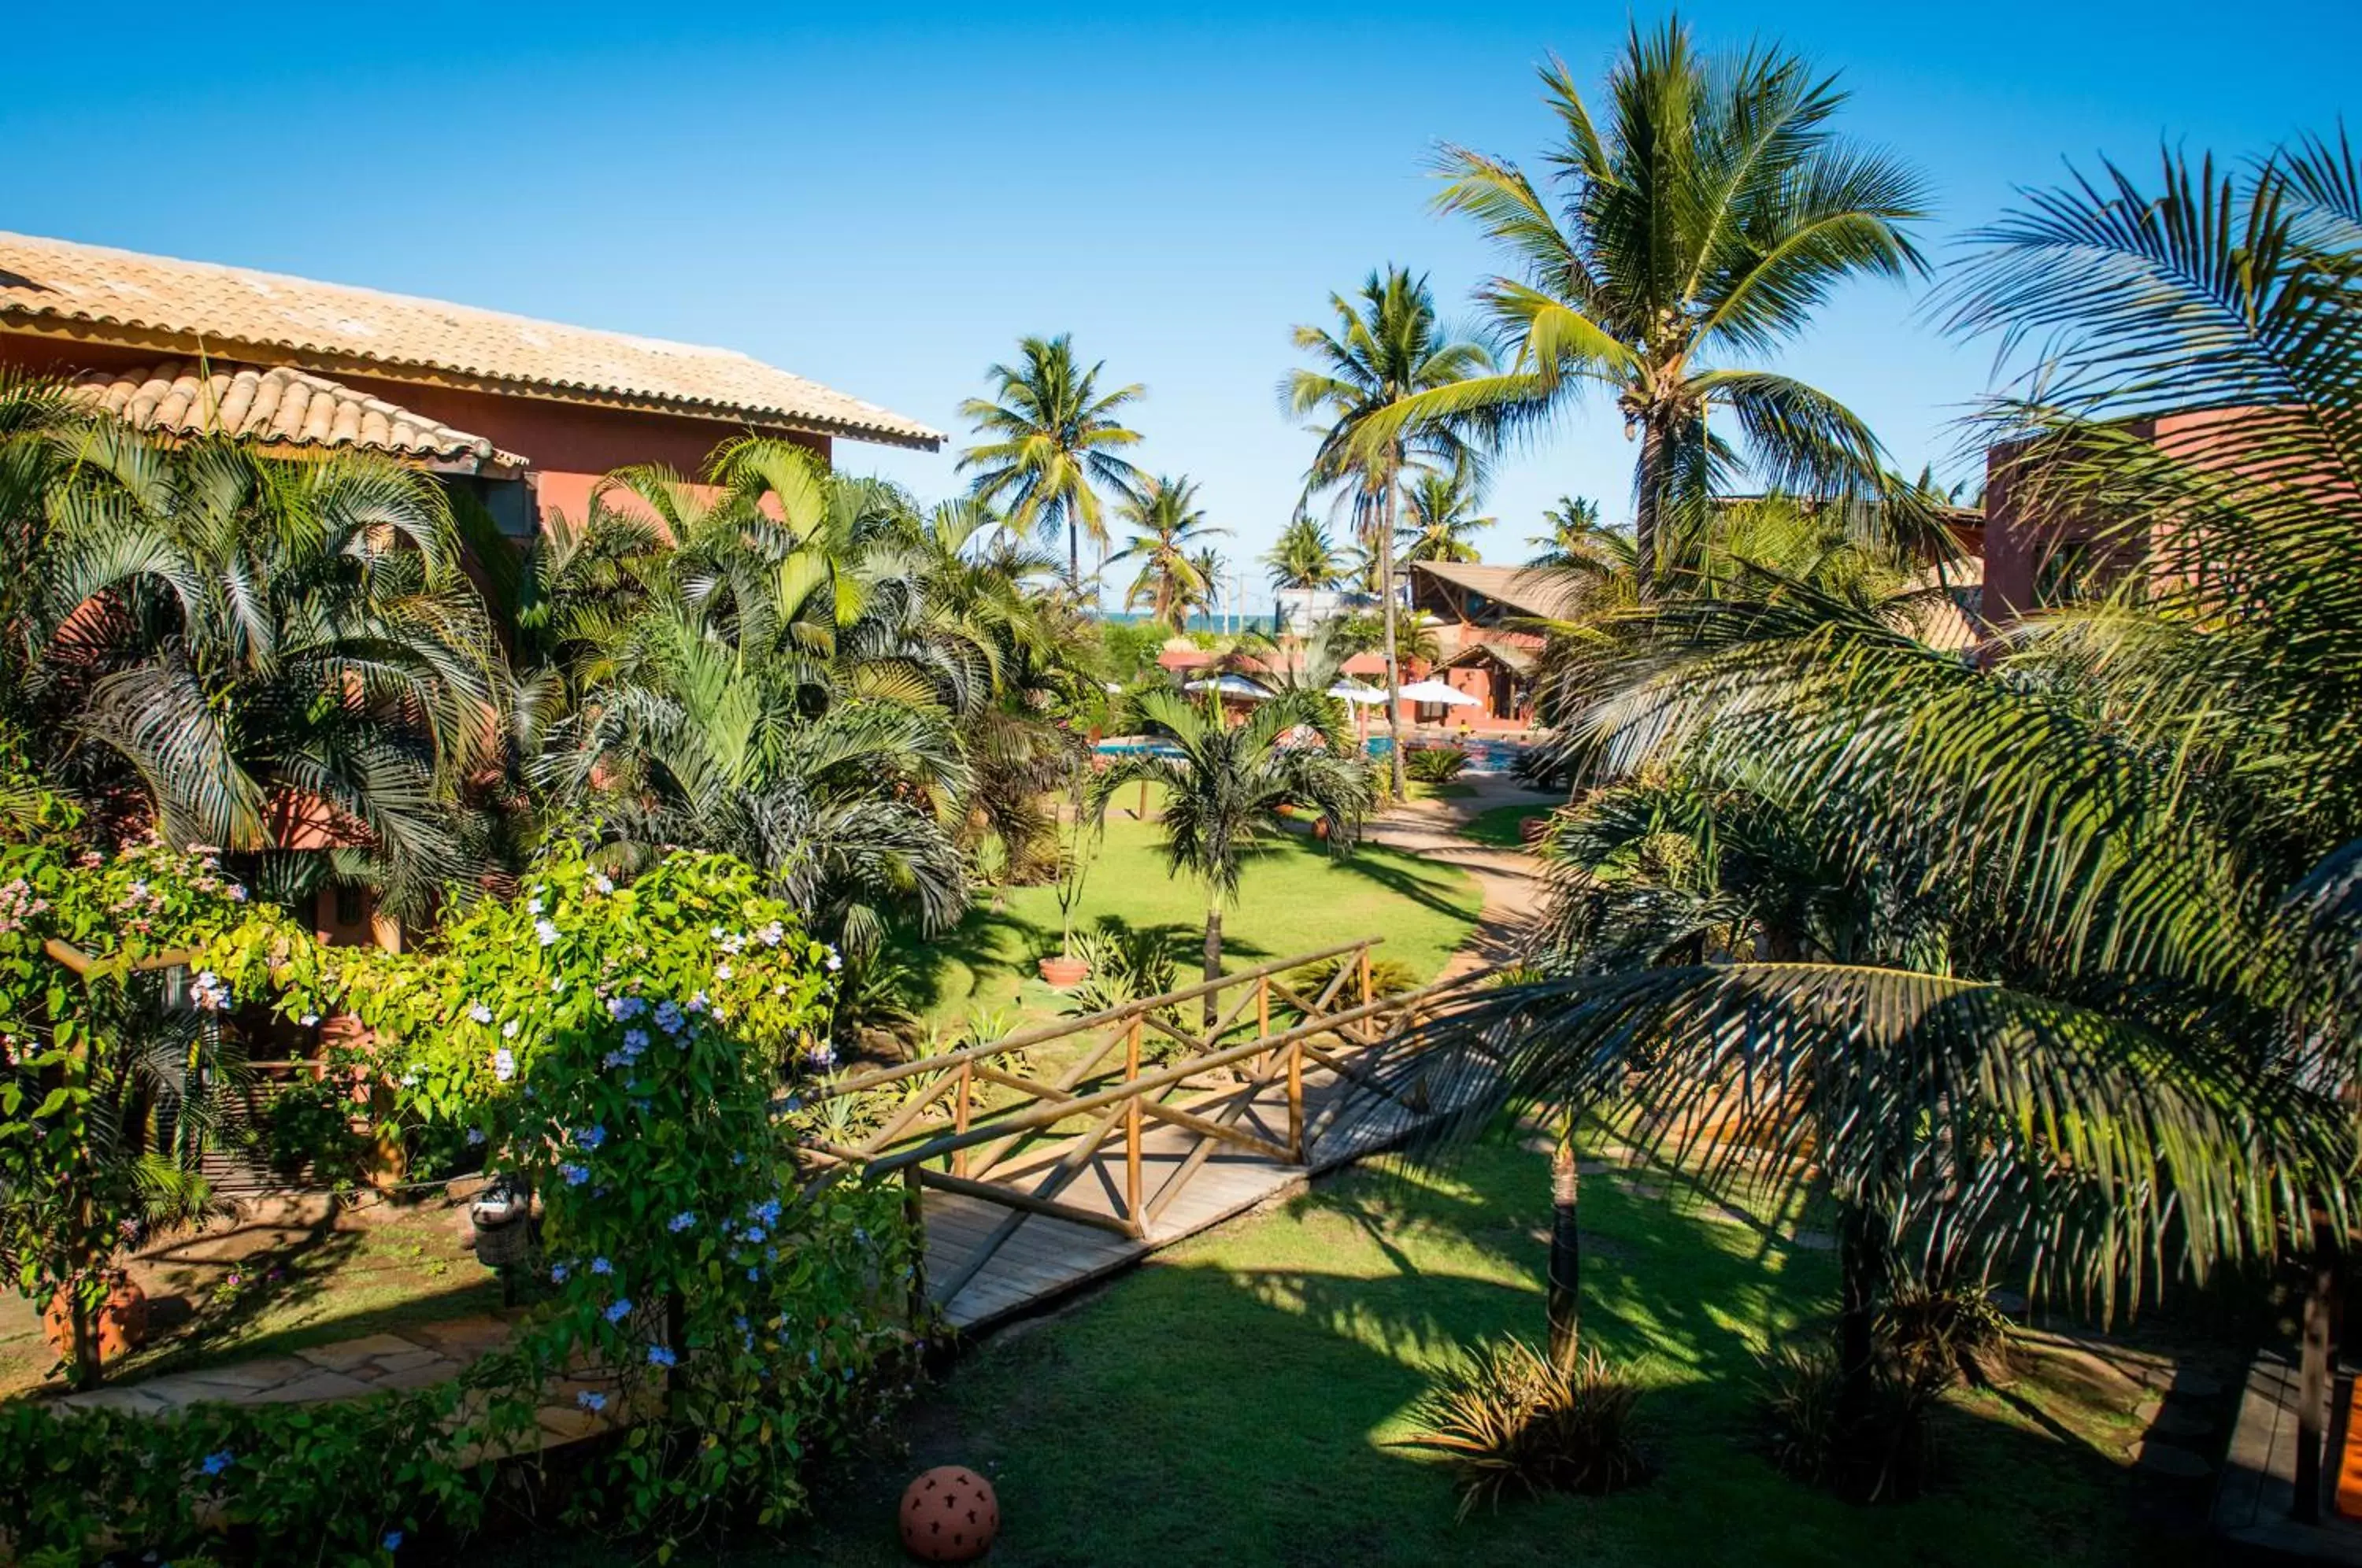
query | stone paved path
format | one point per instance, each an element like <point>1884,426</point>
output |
<point>1511,880</point>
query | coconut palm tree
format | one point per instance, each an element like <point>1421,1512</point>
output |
<point>1304,557</point>
<point>1696,227</point>
<point>1051,445</point>
<point>1442,515</point>
<point>1570,527</point>
<point>2050,965</point>
<point>1166,524</point>
<point>1226,788</point>
<point>1384,350</point>
<point>1212,567</point>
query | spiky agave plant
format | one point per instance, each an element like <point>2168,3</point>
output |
<point>1509,1418</point>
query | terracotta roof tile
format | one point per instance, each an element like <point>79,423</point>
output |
<point>283,406</point>
<point>332,326</point>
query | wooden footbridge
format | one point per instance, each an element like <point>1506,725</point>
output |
<point>1160,1117</point>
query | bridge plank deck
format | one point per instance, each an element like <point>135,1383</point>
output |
<point>1047,1257</point>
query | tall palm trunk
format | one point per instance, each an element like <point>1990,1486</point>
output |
<point>1073,553</point>
<point>1565,1297</point>
<point>1394,672</point>
<point>1655,477</point>
<point>1213,958</point>
<point>1861,1268</point>
<point>2322,1275</point>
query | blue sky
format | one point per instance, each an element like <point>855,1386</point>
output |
<point>885,197</point>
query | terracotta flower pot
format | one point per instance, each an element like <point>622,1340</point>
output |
<point>1320,828</point>
<point>122,1322</point>
<point>1063,972</point>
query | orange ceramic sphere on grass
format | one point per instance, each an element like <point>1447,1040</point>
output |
<point>949,1514</point>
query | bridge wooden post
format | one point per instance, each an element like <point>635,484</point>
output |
<point>1368,1027</point>
<point>914,1210</point>
<point>1132,1134</point>
<point>1295,1099</point>
<point>960,1114</point>
<point>1262,1023</point>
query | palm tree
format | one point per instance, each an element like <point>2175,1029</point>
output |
<point>790,693</point>
<point>254,654</point>
<point>1211,567</point>
<point>1304,557</point>
<point>1384,351</point>
<point>1226,786</point>
<point>1704,220</point>
<point>2052,962</point>
<point>1051,440</point>
<point>1569,528</point>
<point>1442,515</point>
<point>1165,523</point>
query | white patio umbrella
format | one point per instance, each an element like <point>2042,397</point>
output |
<point>1350,692</point>
<point>1230,685</point>
<point>1433,690</point>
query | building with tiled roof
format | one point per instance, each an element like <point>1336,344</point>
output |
<point>403,375</point>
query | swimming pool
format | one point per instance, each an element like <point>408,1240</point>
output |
<point>1486,753</point>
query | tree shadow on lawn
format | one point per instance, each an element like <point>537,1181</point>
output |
<point>1210,1410</point>
<point>985,942</point>
<point>1406,875</point>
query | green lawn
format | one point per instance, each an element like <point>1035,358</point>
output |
<point>1498,825</point>
<point>1234,1401</point>
<point>1296,896</point>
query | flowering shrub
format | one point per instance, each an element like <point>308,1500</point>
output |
<point>101,1085</point>
<point>618,1048</point>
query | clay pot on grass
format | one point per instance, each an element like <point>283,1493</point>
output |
<point>1061,973</point>
<point>122,1322</point>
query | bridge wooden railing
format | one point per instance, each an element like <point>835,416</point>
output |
<point>1022,1148</point>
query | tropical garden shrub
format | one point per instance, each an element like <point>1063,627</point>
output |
<point>113,1081</point>
<point>308,1132</point>
<point>1388,977</point>
<point>1823,1430</point>
<point>1126,966</point>
<point>1435,764</point>
<point>618,1049</point>
<point>1509,1418</point>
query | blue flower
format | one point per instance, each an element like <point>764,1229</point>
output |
<point>661,1355</point>
<point>600,1265</point>
<point>594,1403</point>
<point>754,1274</point>
<point>475,1137</point>
<point>393,1541</point>
<point>635,1040</point>
<point>575,1175</point>
<point>619,1308</point>
<point>622,1008</point>
<point>668,1017</point>
<point>558,1274</point>
<point>592,1137</point>
<point>681,1221</point>
<point>753,1233</point>
<point>216,1462</point>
